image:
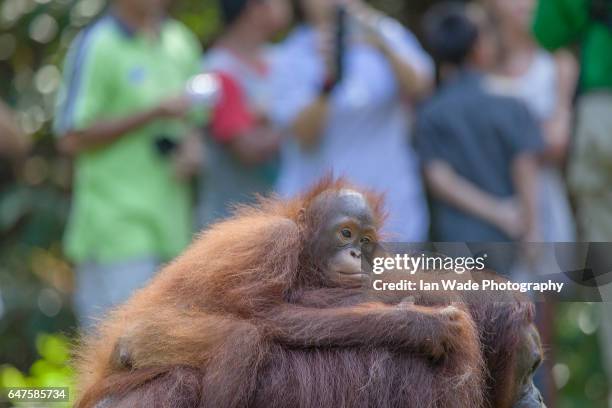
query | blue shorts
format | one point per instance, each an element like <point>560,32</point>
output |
<point>99,287</point>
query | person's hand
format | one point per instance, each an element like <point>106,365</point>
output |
<point>530,251</point>
<point>509,219</point>
<point>189,157</point>
<point>369,20</point>
<point>361,11</point>
<point>556,136</point>
<point>173,108</point>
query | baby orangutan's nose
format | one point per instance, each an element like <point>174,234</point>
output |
<point>356,254</point>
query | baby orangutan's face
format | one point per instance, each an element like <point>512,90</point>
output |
<point>346,225</point>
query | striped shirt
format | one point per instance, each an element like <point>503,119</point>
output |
<point>127,201</point>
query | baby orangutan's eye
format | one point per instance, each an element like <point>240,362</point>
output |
<point>365,240</point>
<point>346,233</point>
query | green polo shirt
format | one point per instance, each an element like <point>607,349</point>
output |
<point>559,23</point>
<point>127,200</point>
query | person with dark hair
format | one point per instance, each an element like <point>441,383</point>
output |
<point>122,107</point>
<point>242,145</point>
<point>345,81</point>
<point>478,149</point>
<point>231,10</point>
<point>450,35</point>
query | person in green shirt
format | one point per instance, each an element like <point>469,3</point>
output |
<point>588,23</point>
<point>121,113</point>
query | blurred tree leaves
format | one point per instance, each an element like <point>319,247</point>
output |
<point>578,370</point>
<point>49,370</point>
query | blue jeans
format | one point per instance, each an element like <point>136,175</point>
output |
<point>99,287</point>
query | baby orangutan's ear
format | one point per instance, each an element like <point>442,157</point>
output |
<point>301,218</point>
<point>121,358</point>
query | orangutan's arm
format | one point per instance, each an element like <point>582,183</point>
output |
<point>430,330</point>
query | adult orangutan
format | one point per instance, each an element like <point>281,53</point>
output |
<point>211,326</point>
<point>373,377</point>
<point>380,377</point>
<point>511,346</point>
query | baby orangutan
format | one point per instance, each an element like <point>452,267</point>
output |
<point>233,296</point>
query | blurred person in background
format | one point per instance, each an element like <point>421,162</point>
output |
<point>479,149</point>
<point>121,113</point>
<point>546,83</point>
<point>242,144</point>
<point>560,23</point>
<point>588,23</point>
<point>347,107</point>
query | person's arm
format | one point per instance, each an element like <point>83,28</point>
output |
<point>257,145</point>
<point>525,142</point>
<point>524,177</point>
<point>84,118</point>
<point>412,84</point>
<point>558,23</point>
<point>302,97</point>
<point>104,132</point>
<point>557,129</point>
<point>310,122</point>
<point>190,156</point>
<point>409,63</point>
<point>446,185</point>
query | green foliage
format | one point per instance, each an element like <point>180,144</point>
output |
<point>578,362</point>
<point>51,369</point>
